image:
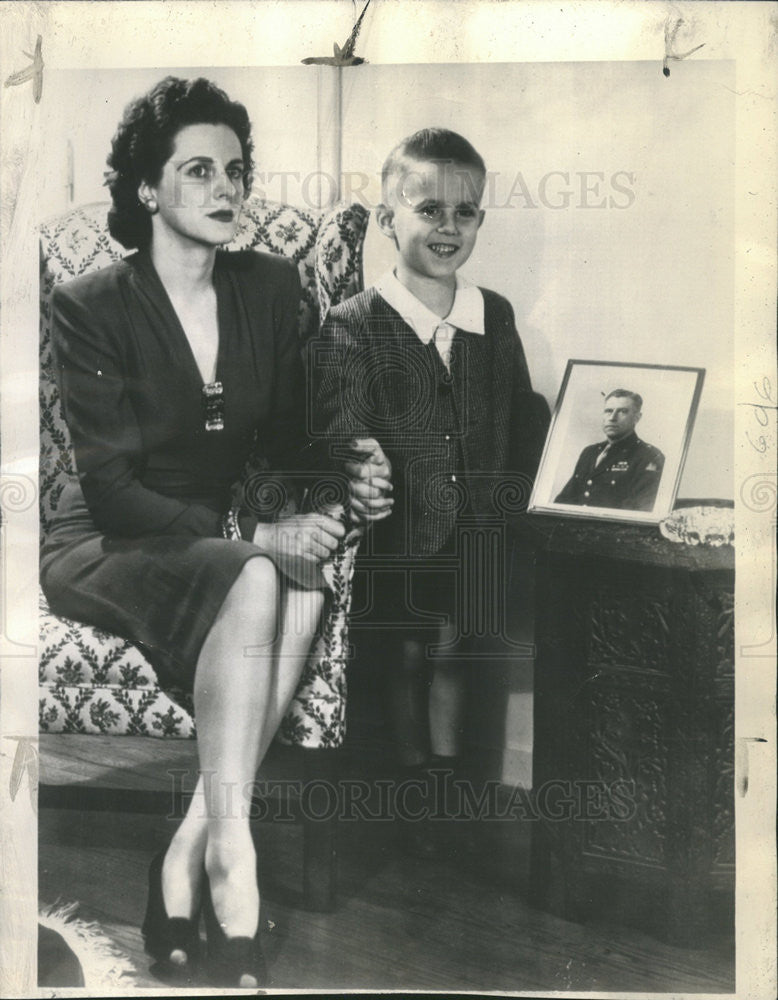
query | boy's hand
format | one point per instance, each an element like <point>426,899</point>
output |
<point>370,481</point>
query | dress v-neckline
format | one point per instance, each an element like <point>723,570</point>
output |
<point>175,322</point>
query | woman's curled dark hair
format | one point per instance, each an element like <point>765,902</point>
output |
<point>144,143</point>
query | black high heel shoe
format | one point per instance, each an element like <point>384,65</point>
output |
<point>163,936</point>
<point>232,961</point>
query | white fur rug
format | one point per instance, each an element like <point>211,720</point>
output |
<point>103,965</point>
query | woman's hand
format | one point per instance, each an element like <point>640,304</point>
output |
<point>299,544</point>
<point>370,481</point>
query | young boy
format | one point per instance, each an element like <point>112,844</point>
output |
<point>424,375</point>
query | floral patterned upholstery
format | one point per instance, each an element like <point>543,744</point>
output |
<point>94,682</point>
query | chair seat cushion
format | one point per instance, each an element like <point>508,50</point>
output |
<point>111,711</point>
<point>93,682</point>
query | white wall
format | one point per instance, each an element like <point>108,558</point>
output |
<point>281,102</point>
<point>636,264</point>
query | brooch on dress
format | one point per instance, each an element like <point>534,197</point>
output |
<point>213,404</point>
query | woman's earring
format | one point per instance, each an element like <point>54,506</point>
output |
<point>151,206</point>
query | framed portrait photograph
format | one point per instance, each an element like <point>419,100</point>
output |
<point>618,441</point>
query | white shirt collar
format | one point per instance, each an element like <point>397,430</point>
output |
<point>467,312</point>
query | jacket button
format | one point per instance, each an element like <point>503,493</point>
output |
<point>586,494</point>
<point>588,482</point>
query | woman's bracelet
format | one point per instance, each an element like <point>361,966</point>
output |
<point>230,526</point>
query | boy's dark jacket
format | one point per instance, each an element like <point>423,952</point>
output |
<point>461,442</point>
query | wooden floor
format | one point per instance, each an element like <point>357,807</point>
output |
<point>458,924</point>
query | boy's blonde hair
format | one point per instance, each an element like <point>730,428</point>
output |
<point>438,145</point>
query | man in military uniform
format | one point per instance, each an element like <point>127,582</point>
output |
<point>621,472</point>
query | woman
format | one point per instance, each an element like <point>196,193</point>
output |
<point>173,364</point>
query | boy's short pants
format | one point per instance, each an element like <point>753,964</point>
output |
<point>418,601</point>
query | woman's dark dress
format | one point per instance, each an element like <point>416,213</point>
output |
<point>137,550</point>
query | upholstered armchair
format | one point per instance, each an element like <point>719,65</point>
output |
<point>95,683</point>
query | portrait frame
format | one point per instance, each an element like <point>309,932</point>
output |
<point>634,471</point>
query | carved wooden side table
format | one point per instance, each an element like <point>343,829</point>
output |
<point>633,721</point>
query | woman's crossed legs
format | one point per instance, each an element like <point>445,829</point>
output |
<point>247,673</point>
